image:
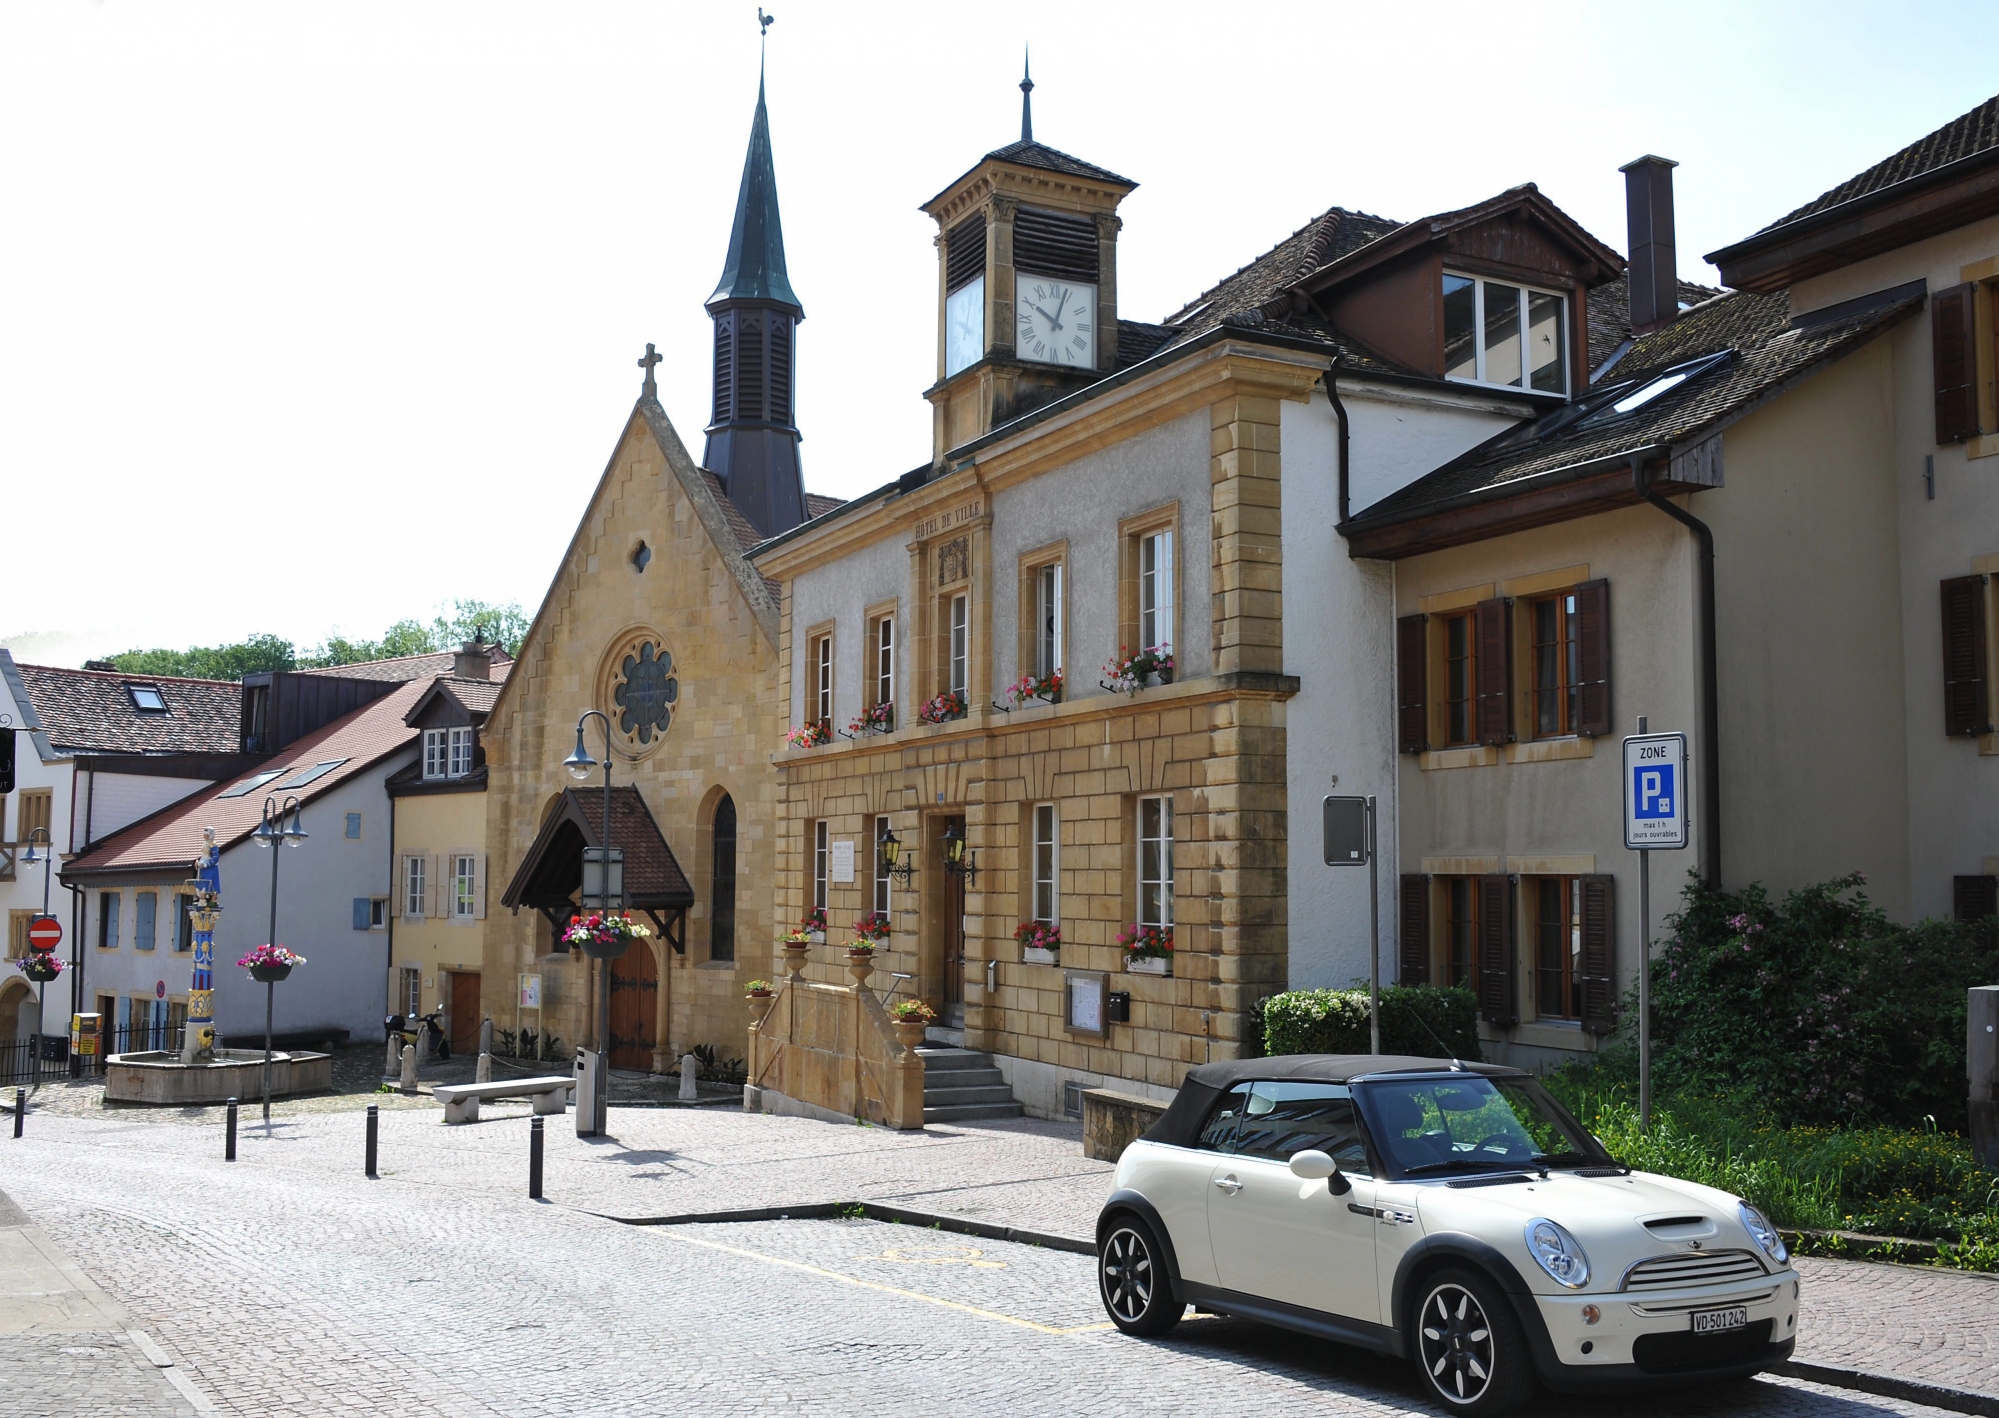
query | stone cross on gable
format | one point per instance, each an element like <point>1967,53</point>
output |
<point>652,359</point>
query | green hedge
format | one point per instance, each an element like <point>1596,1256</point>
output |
<point>1415,1019</point>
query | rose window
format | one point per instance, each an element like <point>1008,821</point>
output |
<point>646,692</point>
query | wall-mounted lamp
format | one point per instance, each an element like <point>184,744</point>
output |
<point>957,860</point>
<point>889,848</point>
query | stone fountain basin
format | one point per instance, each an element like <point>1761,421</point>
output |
<point>156,1076</point>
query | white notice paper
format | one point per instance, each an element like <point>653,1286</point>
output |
<point>1086,1004</point>
<point>530,992</point>
<point>843,860</point>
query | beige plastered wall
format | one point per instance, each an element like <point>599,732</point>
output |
<point>438,824</point>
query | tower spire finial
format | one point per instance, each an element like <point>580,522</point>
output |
<point>1026,99</point>
<point>764,23</point>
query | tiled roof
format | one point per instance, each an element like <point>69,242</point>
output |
<point>1970,133</point>
<point>1033,154</point>
<point>405,667</point>
<point>817,505</point>
<point>547,872</point>
<point>91,711</point>
<point>746,531</point>
<point>1766,350</point>
<point>172,837</point>
<point>1334,233</point>
<point>475,696</point>
<point>1610,314</point>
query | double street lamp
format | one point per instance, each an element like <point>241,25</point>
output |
<point>280,828</point>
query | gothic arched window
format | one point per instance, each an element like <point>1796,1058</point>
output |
<point>722,883</point>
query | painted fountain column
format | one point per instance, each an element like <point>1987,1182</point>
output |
<point>206,905</point>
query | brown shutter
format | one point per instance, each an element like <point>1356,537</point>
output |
<point>1415,930</point>
<point>1495,950</point>
<point>1967,698</point>
<point>1596,977</point>
<point>1954,362</point>
<point>1494,671</point>
<point>1973,898</point>
<point>1593,658</point>
<point>1412,684</point>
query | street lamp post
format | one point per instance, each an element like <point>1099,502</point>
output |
<point>579,763</point>
<point>280,827</point>
<point>47,859</point>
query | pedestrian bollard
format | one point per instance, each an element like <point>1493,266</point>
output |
<point>229,1147</point>
<point>394,1060</point>
<point>374,1127</point>
<point>486,1035</point>
<point>20,1109</point>
<point>483,1071</point>
<point>409,1069</point>
<point>534,1159</point>
<point>690,1071</point>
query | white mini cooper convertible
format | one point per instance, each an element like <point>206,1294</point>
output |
<point>1452,1213</point>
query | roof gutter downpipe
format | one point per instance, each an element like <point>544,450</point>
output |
<point>1710,729</point>
<point>1340,413</point>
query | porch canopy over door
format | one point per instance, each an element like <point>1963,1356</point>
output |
<point>550,877</point>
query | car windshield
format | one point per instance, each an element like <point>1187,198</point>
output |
<point>1471,1123</point>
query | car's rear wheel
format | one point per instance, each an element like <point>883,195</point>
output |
<point>1470,1346</point>
<point>1133,1280</point>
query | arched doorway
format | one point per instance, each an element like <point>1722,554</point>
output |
<point>634,1007</point>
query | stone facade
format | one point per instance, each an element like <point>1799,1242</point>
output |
<point>691,594</point>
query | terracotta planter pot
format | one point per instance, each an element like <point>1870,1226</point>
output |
<point>909,1032</point>
<point>267,974</point>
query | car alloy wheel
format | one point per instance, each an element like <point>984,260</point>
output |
<point>1137,1292</point>
<point>1457,1345</point>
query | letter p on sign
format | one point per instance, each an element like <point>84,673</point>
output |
<point>1655,811</point>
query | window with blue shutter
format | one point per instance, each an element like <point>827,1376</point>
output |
<point>361,913</point>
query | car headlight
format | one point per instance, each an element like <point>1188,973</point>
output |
<point>1762,1232</point>
<point>1557,1252</point>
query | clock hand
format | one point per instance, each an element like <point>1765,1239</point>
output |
<point>1057,324</point>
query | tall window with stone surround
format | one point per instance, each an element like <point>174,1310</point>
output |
<point>961,634</point>
<point>1155,861</point>
<point>1047,894</point>
<point>822,862</point>
<point>1155,590</point>
<point>883,901</point>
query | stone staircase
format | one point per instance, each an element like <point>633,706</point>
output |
<point>960,1085</point>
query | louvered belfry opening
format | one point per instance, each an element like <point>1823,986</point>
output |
<point>964,253</point>
<point>1054,244</point>
<point>725,370</point>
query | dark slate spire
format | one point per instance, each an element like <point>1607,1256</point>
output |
<point>1026,101</point>
<point>755,267</point>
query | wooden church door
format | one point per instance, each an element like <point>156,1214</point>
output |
<point>634,1005</point>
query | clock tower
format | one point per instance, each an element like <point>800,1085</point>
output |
<point>753,433</point>
<point>1026,284</point>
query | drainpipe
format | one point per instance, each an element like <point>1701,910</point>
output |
<point>389,914</point>
<point>1340,413</point>
<point>1710,730</point>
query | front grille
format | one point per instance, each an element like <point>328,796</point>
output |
<point>1692,1268</point>
<point>1684,1307</point>
<point>1682,1351</point>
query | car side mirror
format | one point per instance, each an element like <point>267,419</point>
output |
<point>1314,1165</point>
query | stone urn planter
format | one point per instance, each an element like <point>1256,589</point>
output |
<point>860,964</point>
<point>795,953</point>
<point>909,1032</point>
<point>759,1002</point>
<point>269,974</point>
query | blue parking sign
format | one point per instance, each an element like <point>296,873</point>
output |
<point>1655,809</point>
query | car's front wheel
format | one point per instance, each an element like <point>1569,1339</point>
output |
<point>1133,1280</point>
<point>1470,1346</point>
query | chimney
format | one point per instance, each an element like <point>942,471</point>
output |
<point>474,659</point>
<point>1653,276</point>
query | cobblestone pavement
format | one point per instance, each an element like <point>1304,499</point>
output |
<point>440,1284</point>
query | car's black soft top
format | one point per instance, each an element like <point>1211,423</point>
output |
<point>1180,1124</point>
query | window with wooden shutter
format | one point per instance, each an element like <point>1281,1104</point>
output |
<point>1973,898</point>
<point>1415,930</point>
<point>1496,934</point>
<point>1494,671</point>
<point>1593,658</point>
<point>1967,698</point>
<point>1954,362</point>
<point>1596,970</point>
<point>1412,684</point>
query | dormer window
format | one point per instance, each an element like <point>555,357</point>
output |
<point>1496,332</point>
<point>147,699</point>
<point>447,753</point>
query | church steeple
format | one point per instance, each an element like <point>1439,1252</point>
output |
<point>753,434</point>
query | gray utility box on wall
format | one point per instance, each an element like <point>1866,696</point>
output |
<point>1982,1063</point>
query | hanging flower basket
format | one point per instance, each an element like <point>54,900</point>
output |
<point>268,963</point>
<point>40,968</point>
<point>601,936</point>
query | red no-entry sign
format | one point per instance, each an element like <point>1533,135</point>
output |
<point>44,933</point>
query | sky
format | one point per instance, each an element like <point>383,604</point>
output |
<point>315,316</point>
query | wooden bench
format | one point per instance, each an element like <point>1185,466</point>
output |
<point>461,1100</point>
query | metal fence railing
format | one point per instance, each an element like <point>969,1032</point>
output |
<point>44,1058</point>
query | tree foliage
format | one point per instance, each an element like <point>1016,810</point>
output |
<point>503,622</point>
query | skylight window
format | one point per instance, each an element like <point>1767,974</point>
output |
<point>1645,393</point>
<point>1636,396</point>
<point>147,699</point>
<point>251,784</point>
<point>314,773</point>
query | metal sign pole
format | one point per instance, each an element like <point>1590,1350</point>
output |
<point>1373,938</point>
<point>1655,819</point>
<point>1644,987</point>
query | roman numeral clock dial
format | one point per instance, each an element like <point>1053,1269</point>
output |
<point>1057,322</point>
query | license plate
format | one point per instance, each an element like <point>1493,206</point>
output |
<point>1716,1321</point>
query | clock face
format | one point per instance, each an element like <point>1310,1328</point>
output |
<point>1057,321</point>
<point>964,326</point>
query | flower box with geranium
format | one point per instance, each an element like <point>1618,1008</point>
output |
<point>814,923</point>
<point>602,936</point>
<point>1039,941</point>
<point>809,735</point>
<point>1148,950</point>
<point>946,706</point>
<point>1032,686</point>
<point>871,927</point>
<point>269,963</point>
<point>1129,673</point>
<point>877,719</point>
